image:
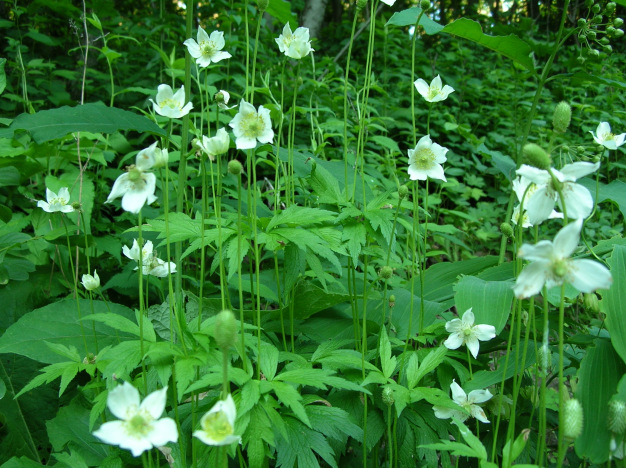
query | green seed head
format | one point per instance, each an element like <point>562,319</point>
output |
<point>573,421</point>
<point>506,229</point>
<point>617,417</point>
<point>386,272</point>
<point>425,5</point>
<point>235,167</point>
<point>562,117</point>
<point>360,4</point>
<point>403,191</point>
<point>537,156</point>
<point>388,398</point>
<point>225,331</point>
<point>262,5</point>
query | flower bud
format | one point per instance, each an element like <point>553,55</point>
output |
<point>506,229</point>
<point>403,191</point>
<point>610,30</point>
<point>582,22</point>
<point>610,7</point>
<point>616,420</point>
<point>235,167</point>
<point>360,4</point>
<point>617,22</point>
<point>392,300</point>
<point>580,59</point>
<point>225,331</point>
<point>573,420</point>
<point>588,3</point>
<point>605,41</point>
<point>387,396</point>
<point>562,117</point>
<point>594,52</point>
<point>607,48</point>
<point>75,205</point>
<point>590,300</point>
<point>597,19</point>
<point>262,5</point>
<point>91,282</point>
<point>425,5</point>
<point>592,35</point>
<point>619,33</point>
<point>595,9</point>
<point>386,272</point>
<point>537,156</point>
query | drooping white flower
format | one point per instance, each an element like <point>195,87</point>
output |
<point>578,200</point>
<point>521,186</point>
<point>214,146</point>
<point>208,49</point>
<point>604,137</point>
<point>425,160</point>
<point>139,427</point>
<point>222,97</point>
<point>249,126</point>
<point>91,282</point>
<point>468,402</point>
<point>434,92</point>
<point>137,186</point>
<point>295,45</point>
<point>169,104</point>
<point>551,265</point>
<point>54,202</point>
<point>151,264</point>
<point>464,332</point>
<point>218,424</point>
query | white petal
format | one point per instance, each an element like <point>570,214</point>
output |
<point>436,172</point>
<point>566,240</point>
<point>468,318</point>
<point>112,432</point>
<point>588,275</point>
<point>454,325</point>
<point>479,396</point>
<point>578,201</point>
<point>155,403</point>
<point>541,251</point>
<point>539,205</point>
<point>422,87</point>
<point>193,48</point>
<point>479,414</point>
<point>458,395</point>
<point>120,187</point>
<point>484,332</point>
<point>163,431</point>
<point>579,169</point>
<point>454,341</point>
<point>472,344</point>
<point>538,176</point>
<point>531,280</point>
<point>123,400</point>
<point>230,410</point>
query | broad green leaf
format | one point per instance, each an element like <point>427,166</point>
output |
<point>387,361</point>
<point>292,399</point>
<point>615,192</point>
<point>59,323</point>
<point>333,422</point>
<point>490,301</point>
<point>409,18</point>
<point>9,176</point>
<point>599,373</point>
<point>51,124</point>
<point>302,446</point>
<point>581,77</point>
<point>3,75</point>
<point>484,379</point>
<point>116,322</point>
<point>281,10</point>
<point>268,360</point>
<point>510,46</point>
<point>473,441</point>
<point>614,299</point>
<point>300,216</point>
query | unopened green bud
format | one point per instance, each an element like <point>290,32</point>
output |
<point>597,19</point>
<point>225,330</point>
<point>608,49</point>
<point>392,300</point>
<point>537,156</point>
<point>573,420</point>
<point>610,7</point>
<point>617,22</point>
<point>562,117</point>
<point>616,420</point>
<point>592,35</point>
<point>582,22</point>
<point>618,33</point>
<point>235,167</point>
<point>580,59</point>
<point>388,398</point>
<point>588,3</point>
<point>610,30</point>
<point>386,272</point>
<point>595,9</point>
<point>75,205</point>
<point>360,4</point>
<point>594,52</point>
<point>605,41</point>
<point>425,5</point>
<point>506,229</point>
<point>403,191</point>
<point>262,5</point>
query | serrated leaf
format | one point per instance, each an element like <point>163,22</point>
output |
<point>430,363</point>
<point>51,124</point>
<point>409,18</point>
<point>269,360</point>
<point>290,398</point>
<point>300,216</point>
<point>301,447</point>
<point>333,422</point>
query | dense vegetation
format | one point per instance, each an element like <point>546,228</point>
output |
<point>345,256</point>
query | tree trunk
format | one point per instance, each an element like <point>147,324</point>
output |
<point>313,16</point>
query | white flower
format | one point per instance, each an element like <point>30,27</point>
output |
<point>137,186</point>
<point>520,186</point>
<point>551,265</point>
<point>295,45</point>
<point>604,137</point>
<point>222,97</point>
<point>433,92</point>
<point>91,282</point>
<point>425,160</point>
<point>389,2</point>
<point>463,331</point>
<point>250,126</point>
<point>218,424</point>
<point>214,146</point>
<point>169,104</point>
<point>208,48</point>
<point>540,204</point>
<point>468,402</point>
<point>54,202</point>
<point>151,264</point>
<point>139,427</point>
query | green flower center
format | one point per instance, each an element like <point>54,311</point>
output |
<point>139,425</point>
<point>169,102</point>
<point>467,331</point>
<point>433,93</point>
<point>216,426</point>
<point>253,125</point>
<point>207,48</point>
<point>424,159</point>
<point>134,174</point>
<point>560,268</point>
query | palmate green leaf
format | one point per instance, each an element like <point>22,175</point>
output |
<point>490,301</point>
<point>409,17</point>
<point>94,117</point>
<point>599,374</point>
<point>510,46</point>
<point>428,364</point>
<point>581,77</point>
<point>58,323</point>
<point>302,446</point>
<point>614,299</point>
<point>333,422</point>
<point>290,398</point>
<point>301,216</point>
<point>50,373</point>
<point>318,378</point>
